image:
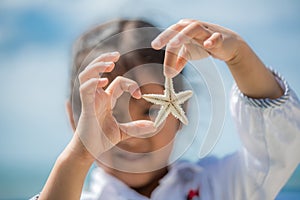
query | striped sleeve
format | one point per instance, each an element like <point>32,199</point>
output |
<point>266,102</point>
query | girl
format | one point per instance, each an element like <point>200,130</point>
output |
<point>132,154</point>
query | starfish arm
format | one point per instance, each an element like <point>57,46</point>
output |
<point>155,98</point>
<point>178,112</point>
<point>169,87</point>
<point>181,97</point>
<point>162,115</point>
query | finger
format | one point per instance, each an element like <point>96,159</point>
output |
<point>183,58</point>
<point>88,90</point>
<point>90,86</point>
<point>121,85</point>
<point>195,30</point>
<point>214,41</point>
<point>139,128</point>
<point>162,39</point>
<point>107,57</point>
<point>93,71</point>
<point>171,56</point>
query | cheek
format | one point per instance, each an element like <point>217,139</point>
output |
<point>136,110</point>
<point>167,134</point>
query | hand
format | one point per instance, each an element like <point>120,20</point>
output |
<point>191,39</point>
<point>97,127</point>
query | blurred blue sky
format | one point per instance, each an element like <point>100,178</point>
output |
<point>36,37</point>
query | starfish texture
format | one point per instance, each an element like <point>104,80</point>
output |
<point>170,103</point>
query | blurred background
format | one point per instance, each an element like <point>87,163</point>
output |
<point>36,37</point>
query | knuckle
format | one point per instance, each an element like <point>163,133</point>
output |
<point>176,26</point>
<point>219,36</point>
<point>84,88</point>
<point>81,77</point>
<point>132,87</point>
<point>81,89</point>
<point>182,36</point>
<point>119,79</point>
<point>171,50</point>
<point>197,25</point>
<point>100,57</point>
<point>185,20</point>
<point>181,21</point>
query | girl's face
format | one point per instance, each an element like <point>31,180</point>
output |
<point>141,158</point>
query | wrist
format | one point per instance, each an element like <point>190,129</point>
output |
<point>251,75</point>
<point>67,176</point>
<point>245,62</point>
<point>76,151</point>
<point>242,54</point>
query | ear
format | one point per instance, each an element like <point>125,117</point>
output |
<point>70,114</point>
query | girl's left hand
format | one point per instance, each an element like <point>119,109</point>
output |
<point>191,39</point>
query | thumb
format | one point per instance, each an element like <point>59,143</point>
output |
<point>214,41</point>
<point>139,129</point>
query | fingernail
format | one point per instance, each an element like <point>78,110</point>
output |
<point>115,53</point>
<point>138,94</point>
<point>108,63</point>
<point>102,81</point>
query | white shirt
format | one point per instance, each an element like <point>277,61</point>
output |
<point>270,133</point>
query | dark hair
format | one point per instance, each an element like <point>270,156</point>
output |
<point>134,48</point>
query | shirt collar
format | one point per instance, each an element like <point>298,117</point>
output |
<point>103,184</point>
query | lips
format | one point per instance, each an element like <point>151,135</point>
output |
<point>132,156</point>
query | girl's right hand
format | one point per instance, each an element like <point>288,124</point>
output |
<point>97,128</point>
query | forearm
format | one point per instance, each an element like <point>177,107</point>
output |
<point>252,77</point>
<point>67,177</point>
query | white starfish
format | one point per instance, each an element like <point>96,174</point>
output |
<point>170,103</point>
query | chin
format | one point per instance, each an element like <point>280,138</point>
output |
<point>138,180</point>
<point>135,163</point>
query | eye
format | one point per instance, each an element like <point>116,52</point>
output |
<point>152,111</point>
